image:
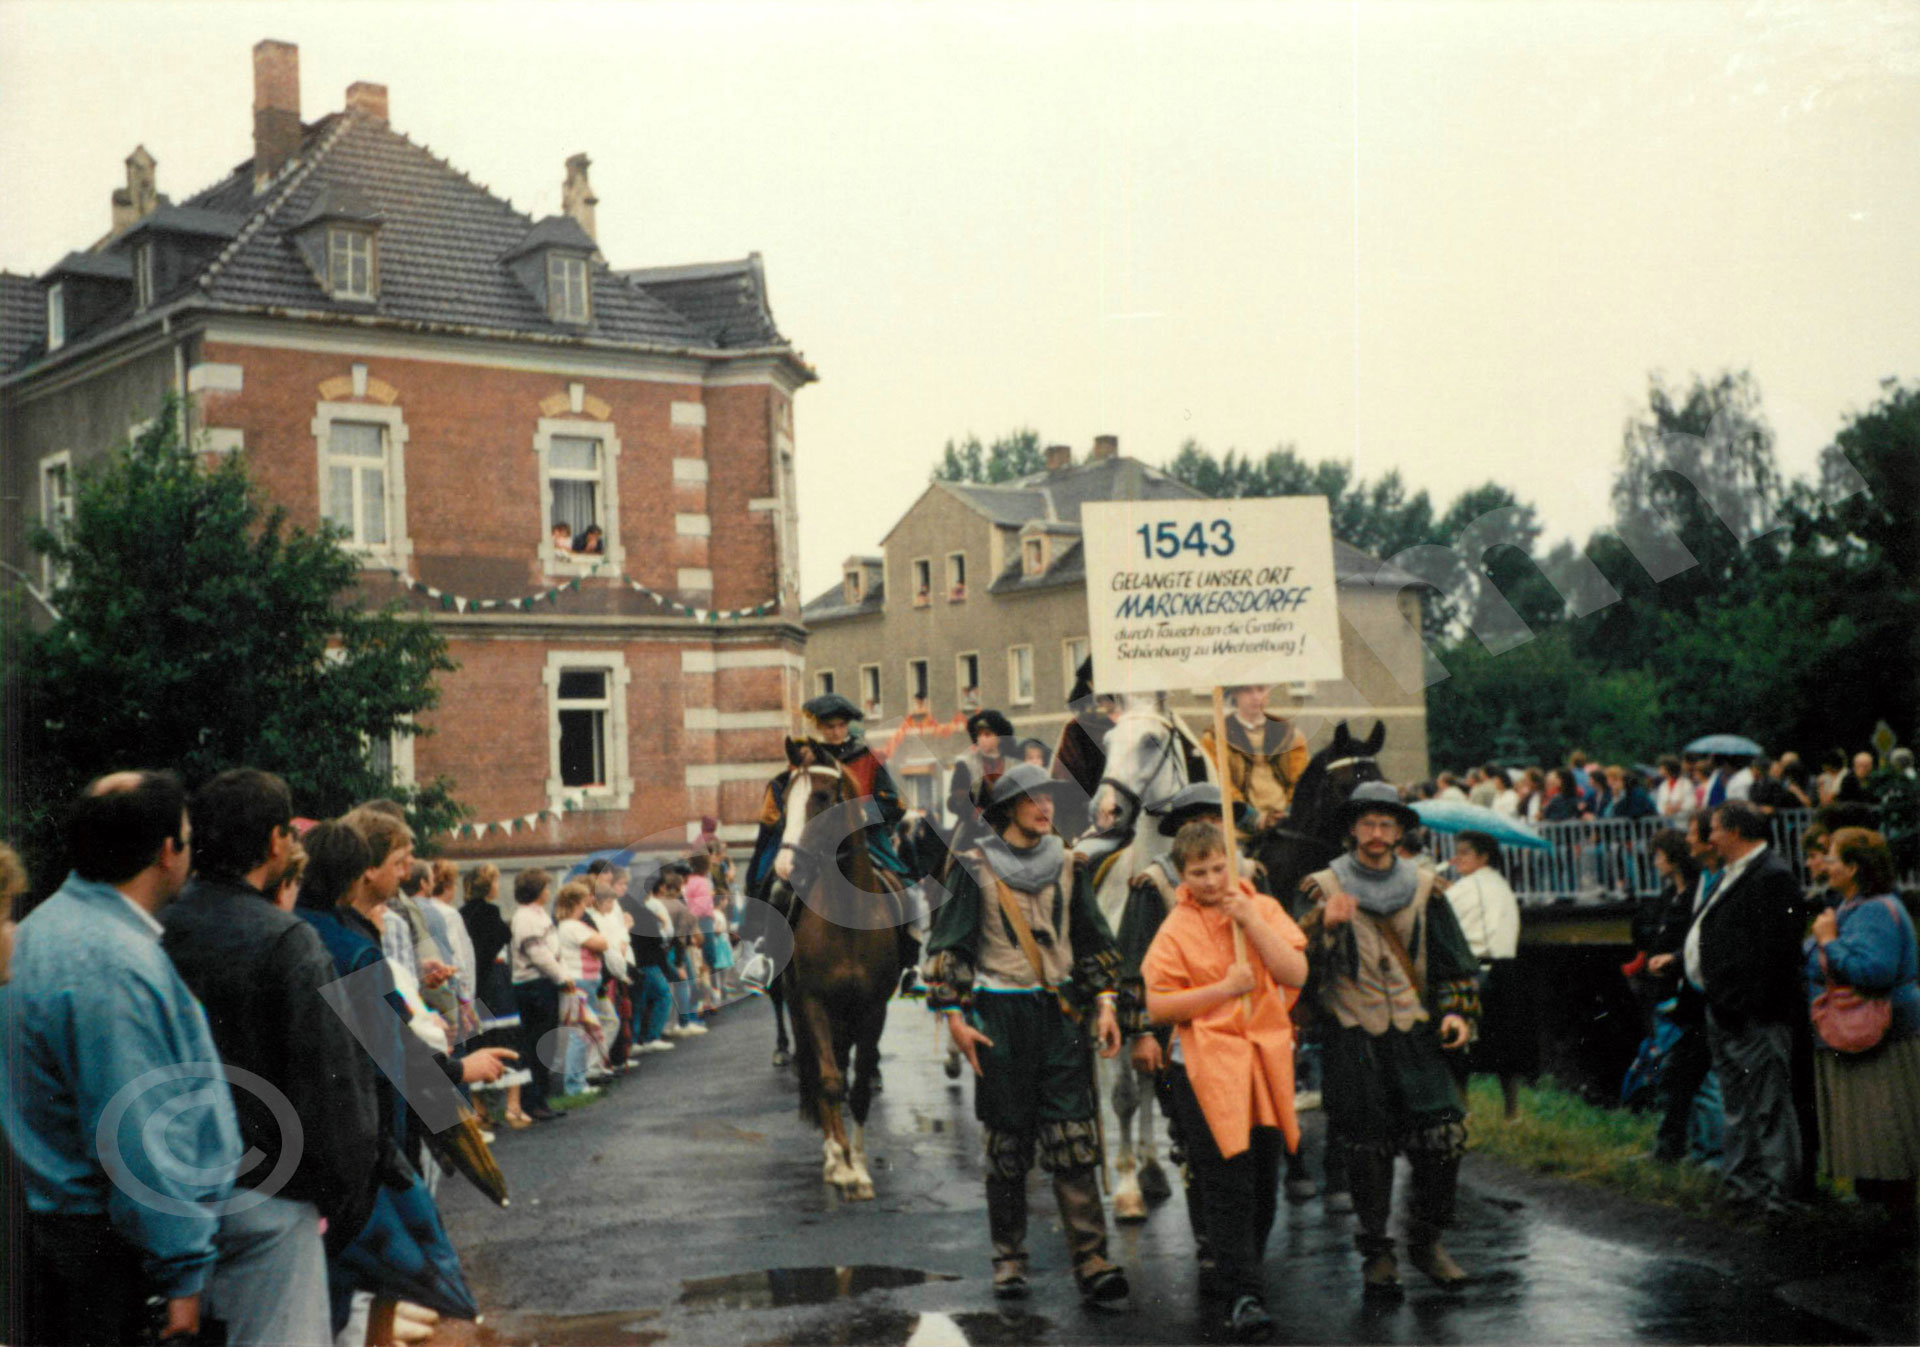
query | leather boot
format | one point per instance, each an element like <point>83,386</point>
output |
<point>1380,1276</point>
<point>1084,1221</point>
<point>1007,1226</point>
<point>1432,1258</point>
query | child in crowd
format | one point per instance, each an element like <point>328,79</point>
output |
<point>1231,1066</point>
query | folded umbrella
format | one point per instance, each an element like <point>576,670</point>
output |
<point>1731,745</point>
<point>403,1253</point>
<point>1452,816</point>
<point>464,1150</point>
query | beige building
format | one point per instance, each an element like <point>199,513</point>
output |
<point>978,598</point>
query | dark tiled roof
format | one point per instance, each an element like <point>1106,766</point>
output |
<point>1069,568</point>
<point>832,604</point>
<point>189,220</point>
<point>107,266</point>
<point>23,317</point>
<point>1116,478</point>
<point>727,300</point>
<point>445,244</point>
<point>1009,506</point>
<point>556,231</point>
<point>442,241</point>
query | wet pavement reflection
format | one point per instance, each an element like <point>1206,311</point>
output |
<point>703,1185</point>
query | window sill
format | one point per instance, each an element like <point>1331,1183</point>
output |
<point>570,566</point>
<point>594,799</point>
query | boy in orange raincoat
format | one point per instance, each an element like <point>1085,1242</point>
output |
<point>1231,1067</point>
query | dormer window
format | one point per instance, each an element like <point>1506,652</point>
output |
<point>143,287</point>
<point>350,272</point>
<point>853,587</point>
<point>567,288</point>
<point>1033,556</point>
<point>56,316</point>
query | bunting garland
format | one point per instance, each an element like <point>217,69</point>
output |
<point>507,827</point>
<point>460,603</point>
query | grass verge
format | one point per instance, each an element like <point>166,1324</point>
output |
<point>1559,1133</point>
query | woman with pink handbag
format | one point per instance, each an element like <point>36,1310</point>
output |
<point>1863,983</point>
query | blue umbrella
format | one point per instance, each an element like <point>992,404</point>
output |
<point>1731,745</point>
<point>1451,816</point>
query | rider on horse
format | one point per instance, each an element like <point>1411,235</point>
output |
<point>1265,755</point>
<point>1017,957</point>
<point>1081,754</point>
<point>975,771</point>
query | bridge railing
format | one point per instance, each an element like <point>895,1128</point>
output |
<point>1598,860</point>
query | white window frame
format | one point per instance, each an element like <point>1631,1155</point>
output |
<point>1068,662</point>
<point>956,577</point>
<point>56,315</point>
<point>143,274</point>
<point>925,666</point>
<point>876,709</point>
<point>917,567</point>
<point>613,561</point>
<point>51,575</point>
<point>398,548</point>
<point>616,793</point>
<point>822,682</point>
<point>563,269</point>
<point>399,743</point>
<point>343,243</point>
<point>960,680</point>
<point>1013,679</point>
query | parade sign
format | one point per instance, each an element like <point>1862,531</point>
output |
<point>1209,593</point>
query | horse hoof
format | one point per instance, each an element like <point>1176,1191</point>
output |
<point>860,1192</point>
<point>780,1057</point>
<point>1153,1182</point>
<point>1129,1207</point>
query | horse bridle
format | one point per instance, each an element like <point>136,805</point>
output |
<point>1166,755</point>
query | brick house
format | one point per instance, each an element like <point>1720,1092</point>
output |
<point>978,598</point>
<point>397,349</point>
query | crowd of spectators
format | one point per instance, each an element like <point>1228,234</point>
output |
<point>228,1029</point>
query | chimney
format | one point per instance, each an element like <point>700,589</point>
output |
<point>370,100</point>
<point>1106,446</point>
<point>576,194</point>
<point>276,108</point>
<point>1059,456</point>
<point>137,199</point>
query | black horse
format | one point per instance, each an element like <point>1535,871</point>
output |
<point>1309,837</point>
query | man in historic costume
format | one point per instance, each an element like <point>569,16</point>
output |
<point>1081,754</point>
<point>1017,959</point>
<point>1397,989</point>
<point>830,720</point>
<point>975,771</point>
<point>1265,754</point>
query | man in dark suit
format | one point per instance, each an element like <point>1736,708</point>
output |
<point>1743,955</point>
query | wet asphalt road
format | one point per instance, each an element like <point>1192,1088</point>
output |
<point>685,1206</point>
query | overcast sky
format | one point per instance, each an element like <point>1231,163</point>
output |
<point>1448,238</point>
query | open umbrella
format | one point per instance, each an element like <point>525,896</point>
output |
<point>1451,816</point>
<point>1730,745</point>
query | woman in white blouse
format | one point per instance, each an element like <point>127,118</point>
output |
<point>1489,915</point>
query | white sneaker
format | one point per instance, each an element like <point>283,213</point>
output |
<point>693,1029</point>
<point>658,1045</point>
<point>675,1032</point>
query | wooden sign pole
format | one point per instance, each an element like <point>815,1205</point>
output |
<point>1221,765</point>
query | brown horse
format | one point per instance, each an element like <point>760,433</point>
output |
<point>846,959</point>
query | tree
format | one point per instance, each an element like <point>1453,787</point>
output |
<point>1016,454</point>
<point>197,632</point>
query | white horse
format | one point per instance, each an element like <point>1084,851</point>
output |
<point>1147,755</point>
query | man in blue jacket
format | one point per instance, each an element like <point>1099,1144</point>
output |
<point>117,1108</point>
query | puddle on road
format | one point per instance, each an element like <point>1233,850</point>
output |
<point>621,1328</point>
<point>799,1286</point>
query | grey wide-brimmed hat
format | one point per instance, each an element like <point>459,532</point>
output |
<point>1376,797</point>
<point>1201,800</point>
<point>1023,778</point>
<point>831,704</point>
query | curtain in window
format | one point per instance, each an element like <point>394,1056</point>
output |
<point>573,503</point>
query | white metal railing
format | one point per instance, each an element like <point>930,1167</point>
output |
<point>1594,860</point>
